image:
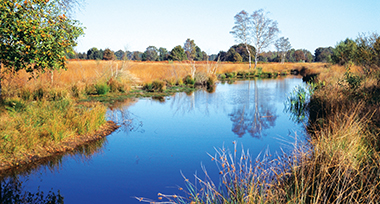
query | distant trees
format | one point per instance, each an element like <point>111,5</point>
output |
<point>323,54</point>
<point>283,46</point>
<point>108,54</point>
<point>163,54</point>
<point>177,54</point>
<point>189,48</point>
<point>120,55</point>
<point>364,51</point>
<point>150,54</point>
<point>94,54</point>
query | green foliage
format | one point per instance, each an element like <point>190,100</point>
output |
<point>108,55</point>
<point>102,88</point>
<point>353,80</point>
<point>230,74</point>
<point>188,80</point>
<point>35,33</point>
<point>14,105</point>
<point>150,54</point>
<point>222,76</point>
<point>345,52</point>
<point>190,49</point>
<point>177,54</point>
<point>155,86</point>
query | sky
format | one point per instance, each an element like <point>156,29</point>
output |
<point>135,25</point>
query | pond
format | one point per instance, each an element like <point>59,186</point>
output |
<point>161,140</point>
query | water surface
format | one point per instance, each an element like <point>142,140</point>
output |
<point>166,137</point>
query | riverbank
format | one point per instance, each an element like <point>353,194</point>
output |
<point>39,117</point>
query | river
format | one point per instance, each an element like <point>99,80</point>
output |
<point>163,139</point>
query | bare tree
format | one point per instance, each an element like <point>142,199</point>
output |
<point>264,30</point>
<point>283,46</point>
<point>69,6</point>
<point>242,31</point>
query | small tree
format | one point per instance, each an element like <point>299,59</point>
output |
<point>190,49</point>
<point>35,35</point>
<point>283,46</point>
<point>242,31</point>
<point>177,53</point>
<point>264,31</point>
<point>150,54</point>
<point>108,54</point>
<point>257,28</point>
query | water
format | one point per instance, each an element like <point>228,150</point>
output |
<point>166,138</point>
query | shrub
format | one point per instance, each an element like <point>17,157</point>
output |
<point>201,78</point>
<point>211,81</point>
<point>188,80</point>
<point>156,85</point>
<point>102,88</point>
<point>179,82</point>
<point>222,77</point>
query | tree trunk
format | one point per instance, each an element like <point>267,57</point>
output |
<point>249,55</point>
<point>256,58</point>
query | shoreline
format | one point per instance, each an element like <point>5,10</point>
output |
<point>65,146</point>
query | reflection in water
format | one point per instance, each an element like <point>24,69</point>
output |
<point>252,118</point>
<point>11,191</point>
<point>127,121</point>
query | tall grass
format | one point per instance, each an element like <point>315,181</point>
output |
<point>34,128</point>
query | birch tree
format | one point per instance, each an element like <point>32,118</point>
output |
<point>283,46</point>
<point>264,31</point>
<point>257,29</point>
<point>242,31</point>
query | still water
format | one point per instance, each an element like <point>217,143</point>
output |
<point>163,138</point>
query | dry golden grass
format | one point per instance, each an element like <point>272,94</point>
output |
<point>82,73</point>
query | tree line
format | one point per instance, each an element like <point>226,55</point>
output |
<point>189,51</point>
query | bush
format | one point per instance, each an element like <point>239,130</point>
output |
<point>115,86</point>
<point>102,88</point>
<point>156,85</point>
<point>201,78</point>
<point>188,80</point>
<point>230,74</point>
<point>222,77</point>
<point>211,81</point>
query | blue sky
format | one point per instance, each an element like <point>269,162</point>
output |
<point>135,25</point>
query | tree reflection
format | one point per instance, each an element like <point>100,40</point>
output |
<point>253,117</point>
<point>120,114</point>
<point>11,191</point>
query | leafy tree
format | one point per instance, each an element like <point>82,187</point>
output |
<point>177,54</point>
<point>233,56</point>
<point>323,54</point>
<point>290,55</point>
<point>35,35</point>
<point>82,55</point>
<point>213,57</point>
<point>243,52</point>
<point>190,49</point>
<point>222,56</point>
<point>368,50</point>
<point>163,54</point>
<point>108,54</point>
<point>150,54</point>
<point>136,55</point>
<point>94,54</point>
<point>120,54</point>
<point>308,56</point>
<point>299,56</point>
<point>345,52</point>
